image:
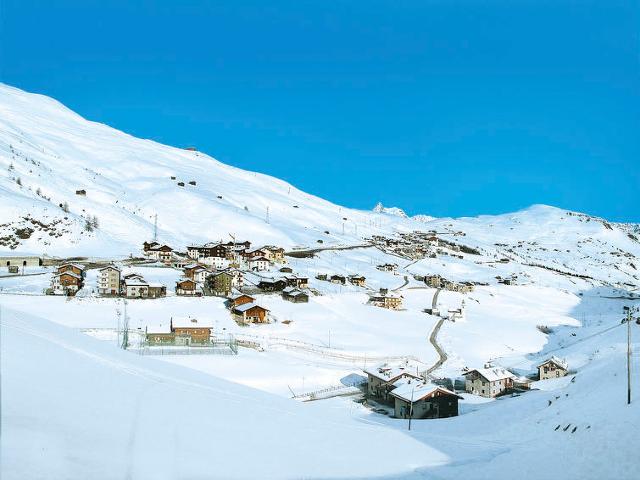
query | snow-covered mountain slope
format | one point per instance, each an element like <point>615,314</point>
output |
<point>48,152</point>
<point>91,411</point>
<point>564,242</point>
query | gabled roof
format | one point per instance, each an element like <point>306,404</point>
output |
<point>71,274</point>
<point>69,264</point>
<point>248,306</point>
<point>558,361</point>
<point>418,390</point>
<point>492,374</point>
<point>110,267</point>
<point>240,295</point>
<point>130,282</point>
<point>293,292</point>
<point>259,259</point>
<point>391,373</point>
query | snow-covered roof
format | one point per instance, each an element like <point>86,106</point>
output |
<point>240,295</point>
<point>417,390</point>
<point>247,306</point>
<point>292,291</point>
<point>390,373</point>
<point>110,267</point>
<point>493,374</point>
<point>190,322</point>
<point>156,285</point>
<point>69,264</point>
<point>259,259</point>
<point>560,362</point>
<point>71,274</point>
<point>135,281</point>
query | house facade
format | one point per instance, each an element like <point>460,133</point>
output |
<point>66,283</point>
<point>188,288</point>
<point>381,379</point>
<point>422,400</point>
<point>109,280</point>
<point>251,313</point>
<point>553,368</point>
<point>489,382</point>
<point>294,295</point>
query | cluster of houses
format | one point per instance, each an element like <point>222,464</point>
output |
<point>67,279</point>
<point>437,281</point>
<point>406,389</point>
<point>157,251</point>
<point>222,255</point>
<point>354,279</point>
<point>416,245</point>
<point>112,283</point>
<point>385,299</point>
<point>411,396</point>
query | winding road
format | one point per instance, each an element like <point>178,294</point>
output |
<point>433,339</point>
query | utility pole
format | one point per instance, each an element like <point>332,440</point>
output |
<point>155,228</point>
<point>628,311</point>
<point>411,406</point>
<point>125,333</point>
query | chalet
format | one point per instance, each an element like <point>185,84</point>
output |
<point>339,279</point>
<point>434,281</point>
<point>157,290</point>
<point>189,288</point>
<point>420,400</point>
<point>387,267</point>
<point>251,313</point>
<point>82,193</point>
<point>380,379</point>
<point>257,253</point>
<point>552,368</point>
<point>161,253</point>
<point>489,381</point>
<point>220,283</point>
<point>240,299</point>
<point>207,251</point>
<point>146,246</point>
<point>237,277</point>
<point>109,280</point>
<point>322,276</point>
<point>259,264</point>
<point>190,270</point>
<point>357,280</point>
<point>189,330</point>
<point>272,284</point>
<point>273,253</point>
<point>294,295</point>
<point>134,286</point>
<point>386,300</point>
<point>198,274</point>
<point>72,267</point>
<point>297,282</point>
<point>286,270</point>
<point>66,283</point>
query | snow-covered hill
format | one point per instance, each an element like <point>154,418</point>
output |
<point>48,153</point>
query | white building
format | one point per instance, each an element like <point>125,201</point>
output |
<point>109,280</point>
<point>259,264</point>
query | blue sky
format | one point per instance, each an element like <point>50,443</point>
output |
<point>446,108</point>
